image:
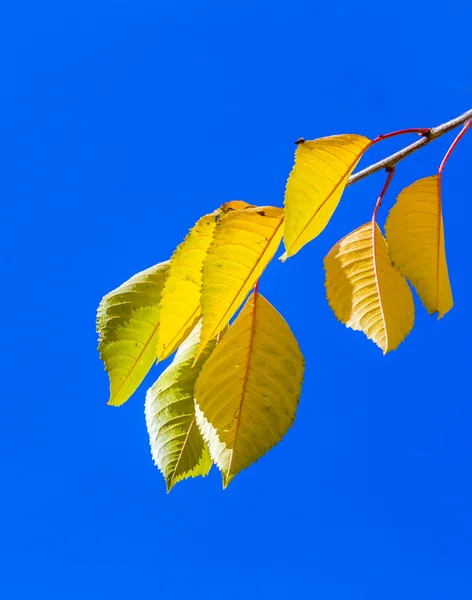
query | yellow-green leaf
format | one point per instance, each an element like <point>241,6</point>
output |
<point>177,446</point>
<point>180,304</point>
<point>365,290</point>
<point>248,390</point>
<point>315,185</point>
<point>244,243</point>
<point>415,235</point>
<point>128,324</point>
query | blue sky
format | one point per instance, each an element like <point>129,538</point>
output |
<point>122,123</point>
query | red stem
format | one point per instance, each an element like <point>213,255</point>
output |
<point>453,145</point>
<point>391,173</point>
<point>429,136</point>
<point>385,136</point>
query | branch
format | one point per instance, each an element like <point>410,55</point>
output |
<point>393,159</point>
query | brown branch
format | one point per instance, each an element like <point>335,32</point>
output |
<point>393,159</point>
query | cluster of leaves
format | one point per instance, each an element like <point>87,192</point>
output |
<point>232,390</point>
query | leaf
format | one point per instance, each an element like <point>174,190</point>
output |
<point>177,447</point>
<point>415,234</point>
<point>180,304</point>
<point>315,185</point>
<point>235,205</point>
<point>128,324</point>
<point>248,390</point>
<point>365,291</point>
<point>243,245</point>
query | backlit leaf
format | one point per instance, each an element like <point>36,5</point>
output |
<point>415,235</point>
<point>180,304</point>
<point>244,243</point>
<point>365,291</point>
<point>248,390</point>
<point>315,186</point>
<point>128,324</point>
<point>177,446</point>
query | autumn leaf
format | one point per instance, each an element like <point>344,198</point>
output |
<point>180,304</point>
<point>248,390</point>
<point>365,291</point>
<point>128,325</point>
<point>415,234</point>
<point>315,185</point>
<point>235,205</point>
<point>244,243</point>
<point>177,447</point>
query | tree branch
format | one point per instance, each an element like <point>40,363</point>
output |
<point>393,159</point>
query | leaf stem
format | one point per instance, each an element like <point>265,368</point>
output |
<point>391,173</point>
<point>385,136</point>
<point>453,145</point>
<point>393,159</point>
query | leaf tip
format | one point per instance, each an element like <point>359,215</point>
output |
<point>227,479</point>
<point>441,314</point>
<point>117,399</point>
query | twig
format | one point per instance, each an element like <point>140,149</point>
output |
<point>393,159</point>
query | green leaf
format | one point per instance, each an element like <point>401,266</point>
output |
<point>177,446</point>
<point>248,390</point>
<point>128,324</point>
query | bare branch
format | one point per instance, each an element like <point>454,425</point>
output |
<point>393,159</point>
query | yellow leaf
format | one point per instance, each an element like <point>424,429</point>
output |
<point>244,243</point>
<point>415,234</point>
<point>365,291</point>
<point>180,304</point>
<point>315,185</point>
<point>248,390</point>
<point>128,324</point>
<point>235,205</point>
<point>176,444</point>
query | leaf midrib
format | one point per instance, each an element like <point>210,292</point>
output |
<point>243,391</point>
<point>376,277</point>
<point>171,480</point>
<point>133,368</point>
<point>438,251</point>
<point>350,167</point>
<point>269,241</point>
<point>179,333</point>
